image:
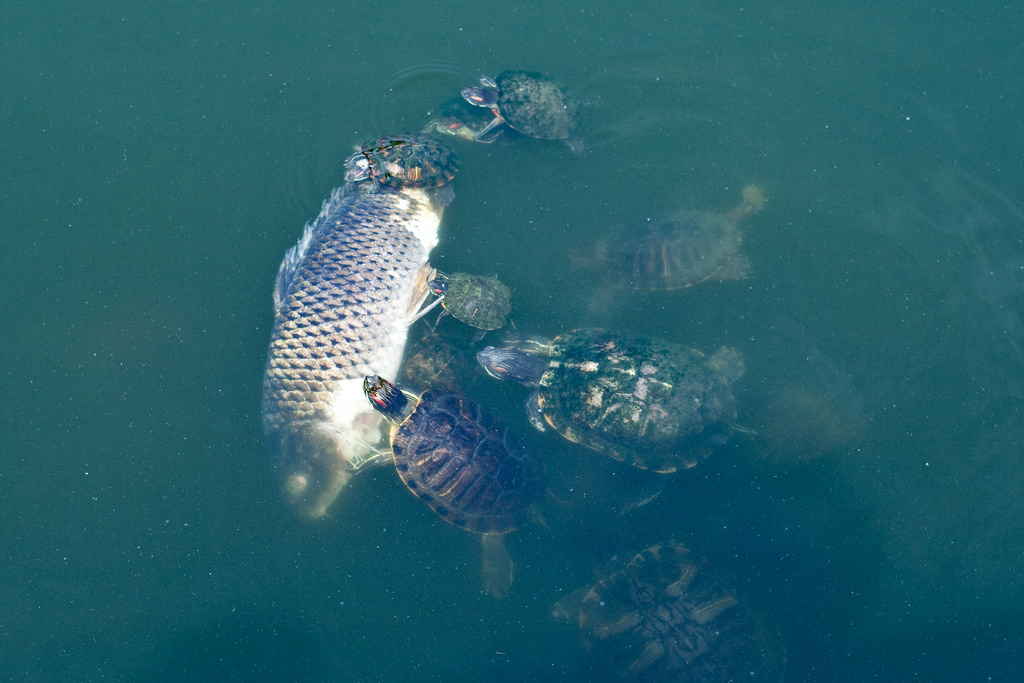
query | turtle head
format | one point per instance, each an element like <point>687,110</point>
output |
<point>439,285</point>
<point>386,398</point>
<point>512,365</point>
<point>481,96</point>
<point>357,168</point>
<point>728,362</point>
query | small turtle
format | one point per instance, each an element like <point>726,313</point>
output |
<point>402,161</point>
<point>653,404</point>
<point>684,249</point>
<point>667,616</point>
<point>460,119</point>
<point>462,462</point>
<point>528,102</point>
<point>480,302</point>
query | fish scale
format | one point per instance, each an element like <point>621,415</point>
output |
<point>343,301</point>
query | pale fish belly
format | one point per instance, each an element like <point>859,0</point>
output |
<point>343,301</point>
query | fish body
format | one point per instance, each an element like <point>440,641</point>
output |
<point>344,298</point>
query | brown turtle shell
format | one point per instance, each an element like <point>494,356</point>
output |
<point>465,464</point>
<point>402,161</point>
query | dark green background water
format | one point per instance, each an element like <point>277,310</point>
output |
<point>155,164</point>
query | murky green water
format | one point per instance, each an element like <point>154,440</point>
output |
<point>157,163</point>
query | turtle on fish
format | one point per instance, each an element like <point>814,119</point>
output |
<point>402,161</point>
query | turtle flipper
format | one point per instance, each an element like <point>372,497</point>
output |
<point>498,566</point>
<point>483,132</point>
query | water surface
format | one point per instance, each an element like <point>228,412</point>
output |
<point>159,161</point>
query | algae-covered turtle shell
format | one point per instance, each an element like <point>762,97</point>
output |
<point>683,249</point>
<point>478,301</point>
<point>653,404</point>
<point>529,102</point>
<point>667,616</point>
<point>436,361</point>
<point>402,161</point>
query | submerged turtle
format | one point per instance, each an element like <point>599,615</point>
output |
<point>653,404</point>
<point>402,161</point>
<point>464,463</point>
<point>528,102</point>
<point>481,302</point>
<point>435,361</point>
<point>667,616</point>
<point>458,118</point>
<point>683,249</point>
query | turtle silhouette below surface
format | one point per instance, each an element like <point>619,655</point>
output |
<point>458,118</point>
<point>464,464</point>
<point>436,361</point>
<point>667,616</point>
<point>654,404</point>
<point>681,250</point>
